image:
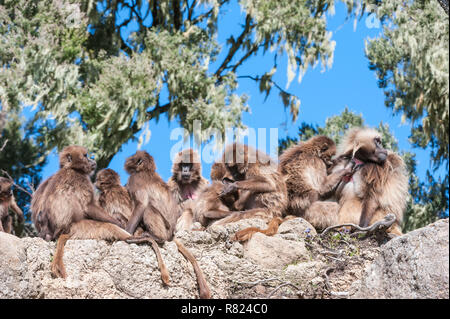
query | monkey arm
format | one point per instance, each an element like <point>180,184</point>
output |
<point>331,182</point>
<point>217,214</point>
<point>17,209</point>
<point>242,200</point>
<point>136,218</point>
<point>95,212</point>
<point>256,184</point>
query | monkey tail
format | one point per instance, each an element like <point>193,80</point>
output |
<point>247,233</point>
<point>162,267</point>
<point>203,288</point>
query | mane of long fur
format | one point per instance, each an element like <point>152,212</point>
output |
<point>388,183</point>
<point>351,140</point>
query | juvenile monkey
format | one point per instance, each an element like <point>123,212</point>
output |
<point>379,184</point>
<point>113,198</point>
<point>212,204</point>
<point>64,207</point>
<point>185,184</point>
<point>262,190</point>
<point>155,208</point>
<point>116,201</point>
<point>7,202</point>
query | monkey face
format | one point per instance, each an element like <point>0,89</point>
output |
<point>371,151</point>
<point>184,172</point>
<point>76,157</point>
<point>237,170</point>
<point>139,162</point>
<point>106,178</point>
<point>5,189</point>
<point>186,167</point>
<point>236,160</point>
<point>327,151</point>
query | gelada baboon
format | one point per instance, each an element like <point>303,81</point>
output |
<point>262,191</point>
<point>185,184</point>
<point>64,207</point>
<point>116,201</point>
<point>379,184</point>
<point>8,202</point>
<point>113,197</point>
<point>305,168</point>
<point>155,208</point>
<point>212,204</point>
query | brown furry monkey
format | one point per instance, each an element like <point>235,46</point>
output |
<point>64,207</point>
<point>156,209</point>
<point>212,204</point>
<point>185,184</point>
<point>305,167</point>
<point>255,173</point>
<point>8,202</point>
<point>116,201</point>
<point>379,184</point>
<point>113,198</point>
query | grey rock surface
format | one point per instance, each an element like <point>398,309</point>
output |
<point>282,266</point>
<point>415,265</point>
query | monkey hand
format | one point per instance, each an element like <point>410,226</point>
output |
<point>228,189</point>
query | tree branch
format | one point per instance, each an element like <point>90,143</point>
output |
<point>235,47</point>
<point>444,5</point>
<point>380,225</point>
<point>4,144</point>
<point>15,184</point>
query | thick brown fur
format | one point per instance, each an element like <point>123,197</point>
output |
<point>8,202</point>
<point>113,197</point>
<point>211,205</point>
<point>68,196</point>
<point>116,201</point>
<point>155,208</point>
<point>378,187</point>
<point>185,184</point>
<point>64,206</point>
<point>255,174</point>
<point>305,169</point>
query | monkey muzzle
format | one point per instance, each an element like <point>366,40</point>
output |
<point>185,177</point>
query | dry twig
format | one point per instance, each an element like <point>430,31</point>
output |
<point>15,184</point>
<point>381,225</point>
<point>4,144</point>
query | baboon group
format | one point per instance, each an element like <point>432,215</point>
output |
<point>357,181</point>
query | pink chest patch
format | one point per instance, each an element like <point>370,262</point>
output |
<point>189,193</point>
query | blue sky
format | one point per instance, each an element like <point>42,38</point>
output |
<point>349,83</point>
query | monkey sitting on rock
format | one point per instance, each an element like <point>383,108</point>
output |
<point>378,185</point>
<point>8,202</point>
